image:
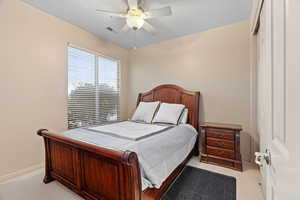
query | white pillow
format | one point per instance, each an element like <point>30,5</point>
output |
<point>168,113</point>
<point>184,116</point>
<point>145,111</point>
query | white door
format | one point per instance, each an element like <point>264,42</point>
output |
<point>278,105</point>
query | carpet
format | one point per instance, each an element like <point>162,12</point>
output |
<point>199,184</point>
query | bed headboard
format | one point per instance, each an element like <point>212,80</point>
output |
<point>178,95</point>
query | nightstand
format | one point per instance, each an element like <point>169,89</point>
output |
<point>221,145</point>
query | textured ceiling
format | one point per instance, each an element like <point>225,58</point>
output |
<point>189,16</point>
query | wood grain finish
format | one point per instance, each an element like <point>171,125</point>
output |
<point>97,173</point>
<point>233,127</point>
<point>96,180</point>
<point>220,133</point>
<point>62,160</point>
<point>91,171</point>
<point>215,142</point>
<point>221,145</point>
<point>220,162</point>
<point>220,152</point>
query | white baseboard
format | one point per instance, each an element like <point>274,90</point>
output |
<point>21,172</point>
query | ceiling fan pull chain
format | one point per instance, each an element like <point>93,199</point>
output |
<point>134,47</point>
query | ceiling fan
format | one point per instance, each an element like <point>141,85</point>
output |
<point>136,15</point>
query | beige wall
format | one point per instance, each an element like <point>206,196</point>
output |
<point>33,80</point>
<point>215,62</point>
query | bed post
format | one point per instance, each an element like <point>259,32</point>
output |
<point>138,99</point>
<point>47,177</point>
<point>133,176</point>
<point>196,123</point>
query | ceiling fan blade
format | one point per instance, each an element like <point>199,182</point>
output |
<point>125,28</point>
<point>166,11</point>
<point>133,4</point>
<point>145,5</point>
<point>148,27</point>
<point>113,14</point>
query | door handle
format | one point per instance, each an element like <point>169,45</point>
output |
<point>259,157</point>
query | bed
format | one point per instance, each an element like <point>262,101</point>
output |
<point>99,172</point>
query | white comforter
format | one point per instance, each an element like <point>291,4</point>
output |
<point>158,154</point>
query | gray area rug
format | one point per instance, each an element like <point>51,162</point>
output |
<point>199,184</point>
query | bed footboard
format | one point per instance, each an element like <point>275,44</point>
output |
<point>92,172</point>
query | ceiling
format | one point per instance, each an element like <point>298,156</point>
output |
<point>189,16</point>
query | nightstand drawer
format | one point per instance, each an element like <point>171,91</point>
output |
<point>225,153</point>
<point>222,134</point>
<point>220,143</point>
<point>221,162</point>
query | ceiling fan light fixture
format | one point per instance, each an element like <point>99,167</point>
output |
<point>135,19</point>
<point>136,16</point>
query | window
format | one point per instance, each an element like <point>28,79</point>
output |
<point>93,89</point>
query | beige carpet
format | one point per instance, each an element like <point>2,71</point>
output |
<point>31,187</point>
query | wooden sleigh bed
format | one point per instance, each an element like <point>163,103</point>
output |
<point>97,173</point>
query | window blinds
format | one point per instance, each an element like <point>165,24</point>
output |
<point>93,89</point>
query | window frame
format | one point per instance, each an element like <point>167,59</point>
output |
<point>98,55</point>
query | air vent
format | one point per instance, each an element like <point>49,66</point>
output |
<point>110,29</point>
